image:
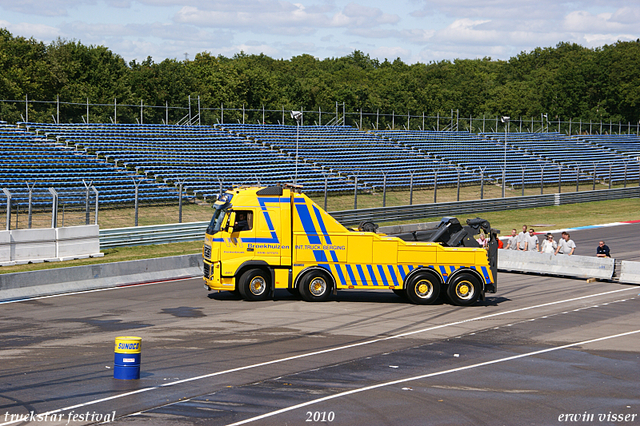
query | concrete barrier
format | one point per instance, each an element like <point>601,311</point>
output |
<point>543,263</point>
<point>630,272</point>
<point>22,285</point>
<point>33,245</point>
<point>78,242</point>
<point>20,246</point>
<point>5,249</point>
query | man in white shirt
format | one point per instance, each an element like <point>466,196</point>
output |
<point>523,239</point>
<point>512,241</point>
<point>566,245</point>
<point>533,242</point>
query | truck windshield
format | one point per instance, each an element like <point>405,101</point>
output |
<point>217,220</point>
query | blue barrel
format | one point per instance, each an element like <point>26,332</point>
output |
<point>126,364</point>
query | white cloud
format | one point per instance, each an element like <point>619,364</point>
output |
<point>37,31</point>
<point>41,7</point>
<point>283,17</point>
<point>415,30</point>
<point>390,53</point>
<point>585,22</point>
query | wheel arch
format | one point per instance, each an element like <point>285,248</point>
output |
<point>305,271</point>
<point>474,273</point>
<point>259,264</point>
<point>411,274</point>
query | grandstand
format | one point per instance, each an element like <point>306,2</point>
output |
<point>31,158</point>
<point>574,153</point>
<point>202,158</point>
<point>353,153</point>
<point>476,153</point>
<point>205,159</point>
<point>627,145</point>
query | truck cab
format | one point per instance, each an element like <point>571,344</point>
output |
<point>265,238</point>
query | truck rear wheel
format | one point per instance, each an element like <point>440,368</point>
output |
<point>315,286</point>
<point>464,289</point>
<point>254,285</point>
<point>423,288</point>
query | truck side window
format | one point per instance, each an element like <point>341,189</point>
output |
<point>244,221</point>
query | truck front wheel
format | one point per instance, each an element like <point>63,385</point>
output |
<point>254,285</point>
<point>423,288</point>
<point>315,286</point>
<point>464,289</point>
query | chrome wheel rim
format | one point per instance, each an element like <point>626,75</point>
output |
<point>424,289</point>
<point>257,286</point>
<point>465,290</point>
<point>317,286</point>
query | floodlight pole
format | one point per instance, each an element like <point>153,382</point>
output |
<point>505,120</point>
<point>295,181</point>
<point>297,115</point>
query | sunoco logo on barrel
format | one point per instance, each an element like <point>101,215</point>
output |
<point>129,346</point>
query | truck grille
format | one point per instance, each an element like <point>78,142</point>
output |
<point>207,270</point>
<point>207,252</point>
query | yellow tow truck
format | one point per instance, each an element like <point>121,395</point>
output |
<point>265,238</point>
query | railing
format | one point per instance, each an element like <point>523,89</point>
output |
<point>187,114</point>
<point>153,234</point>
<point>194,231</point>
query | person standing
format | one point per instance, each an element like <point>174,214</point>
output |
<point>534,244</point>
<point>512,241</point>
<point>566,245</point>
<point>523,239</point>
<point>548,245</point>
<point>482,241</point>
<point>603,250</point>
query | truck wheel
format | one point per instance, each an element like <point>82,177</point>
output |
<point>423,288</point>
<point>464,289</point>
<point>315,286</point>
<point>254,285</point>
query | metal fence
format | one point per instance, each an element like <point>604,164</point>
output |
<point>29,206</point>
<point>34,207</point>
<point>192,112</point>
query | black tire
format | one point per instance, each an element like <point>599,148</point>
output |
<point>423,288</point>
<point>464,289</point>
<point>315,286</point>
<point>254,285</point>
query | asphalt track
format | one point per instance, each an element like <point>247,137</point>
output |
<point>538,351</point>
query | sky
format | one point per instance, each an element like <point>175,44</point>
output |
<point>412,30</point>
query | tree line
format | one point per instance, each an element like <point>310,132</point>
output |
<point>567,81</point>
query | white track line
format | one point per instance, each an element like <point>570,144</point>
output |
<point>424,376</point>
<point>324,351</point>
<point>118,287</point>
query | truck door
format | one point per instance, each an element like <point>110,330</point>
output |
<point>238,241</point>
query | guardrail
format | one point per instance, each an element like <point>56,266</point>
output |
<point>193,231</point>
<point>154,234</point>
